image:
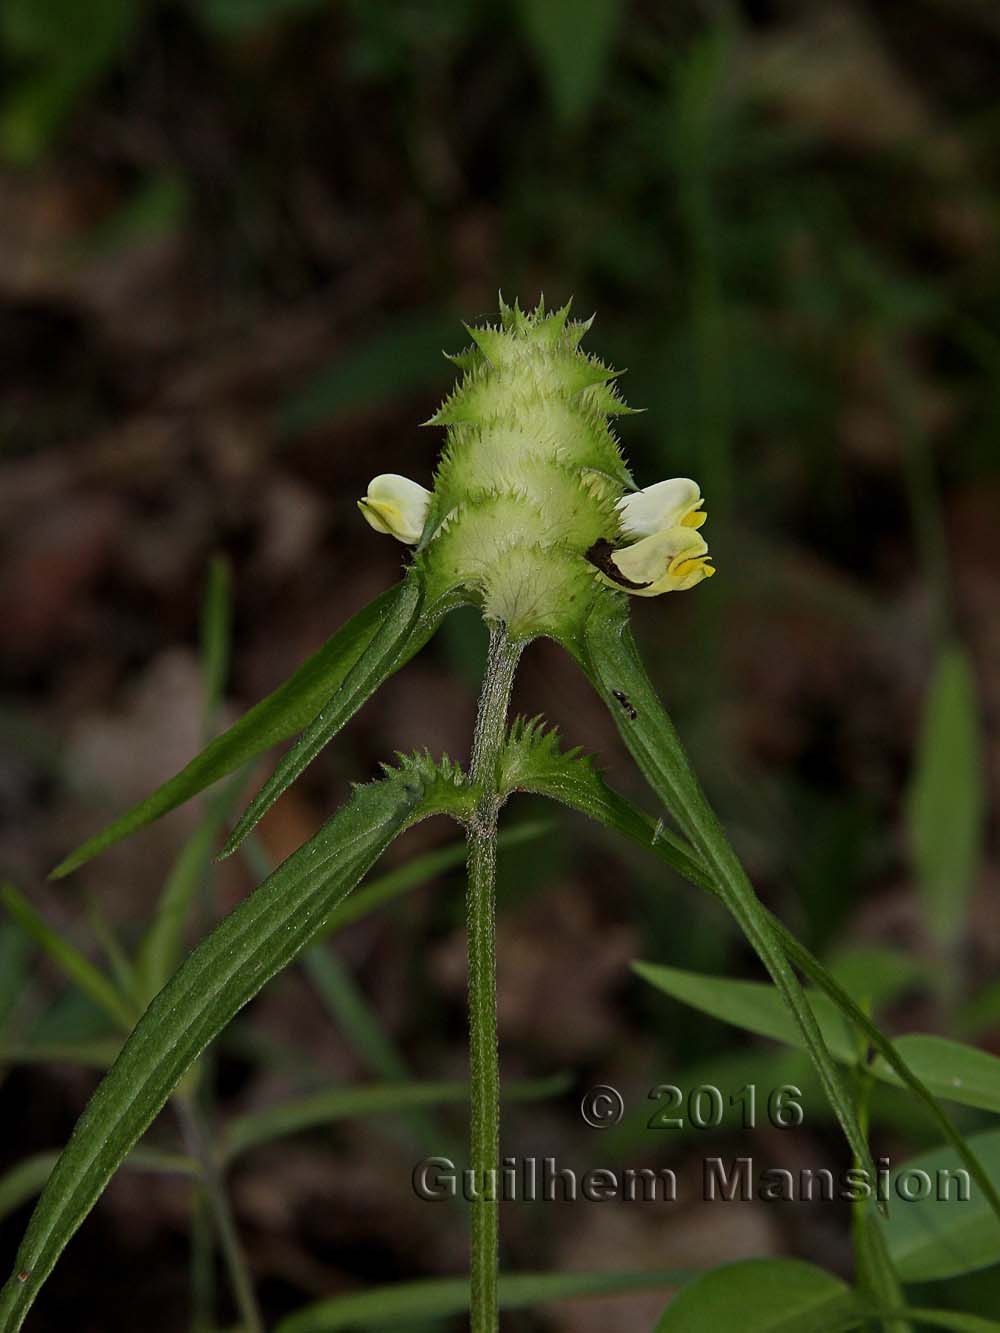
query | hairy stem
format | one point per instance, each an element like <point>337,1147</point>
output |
<point>484,1068</point>
<point>197,1140</point>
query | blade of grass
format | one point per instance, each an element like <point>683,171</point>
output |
<point>341,997</point>
<point>67,957</point>
<point>16,949</point>
<point>328,1105</point>
<point>160,948</point>
<point>25,1180</point>
<point>437,1298</point>
<point>94,1054</point>
<point>122,968</point>
<point>946,804</point>
<point>216,637</point>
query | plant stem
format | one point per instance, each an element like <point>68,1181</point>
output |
<point>484,1068</point>
<point>196,1137</point>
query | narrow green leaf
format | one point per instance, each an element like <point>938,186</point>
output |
<point>948,1069</point>
<point>16,950</point>
<point>66,957</point>
<point>954,1320</point>
<point>25,1180</point>
<point>161,945</point>
<point>328,1105</point>
<point>952,1070</point>
<point>390,646</point>
<point>437,1298</point>
<point>609,658</point>
<point>97,1053</point>
<point>344,1001</point>
<point>762,1296</point>
<point>122,968</point>
<point>255,941</point>
<point>290,708</point>
<point>754,1006</point>
<point>952,1231</point>
<point>216,633</point>
<point>947,805</point>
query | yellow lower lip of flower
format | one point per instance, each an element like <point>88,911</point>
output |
<point>669,561</point>
<point>695,519</point>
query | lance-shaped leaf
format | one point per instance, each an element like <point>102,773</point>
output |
<point>290,708</point>
<point>764,1296</point>
<point>400,632</point>
<point>327,1105</point>
<point>262,935</point>
<point>948,1069</point>
<point>67,957</point>
<point>437,1298</point>
<point>609,657</point>
<point>160,947</point>
<point>23,1181</point>
<point>947,801</point>
<point>532,762</point>
<point>92,1053</point>
<point>951,1231</point>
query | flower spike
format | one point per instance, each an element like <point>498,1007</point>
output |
<point>534,515</point>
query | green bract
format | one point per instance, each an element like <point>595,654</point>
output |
<point>528,516</point>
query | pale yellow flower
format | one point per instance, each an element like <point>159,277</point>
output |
<point>670,554</point>
<point>397,506</point>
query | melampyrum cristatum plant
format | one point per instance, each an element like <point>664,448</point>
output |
<point>534,518</point>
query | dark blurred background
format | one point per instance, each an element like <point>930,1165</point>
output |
<point>234,237</point>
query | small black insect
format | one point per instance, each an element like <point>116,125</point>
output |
<point>623,699</point>
<point>600,555</point>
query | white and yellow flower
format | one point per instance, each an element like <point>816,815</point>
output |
<point>669,555</point>
<point>397,506</point>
